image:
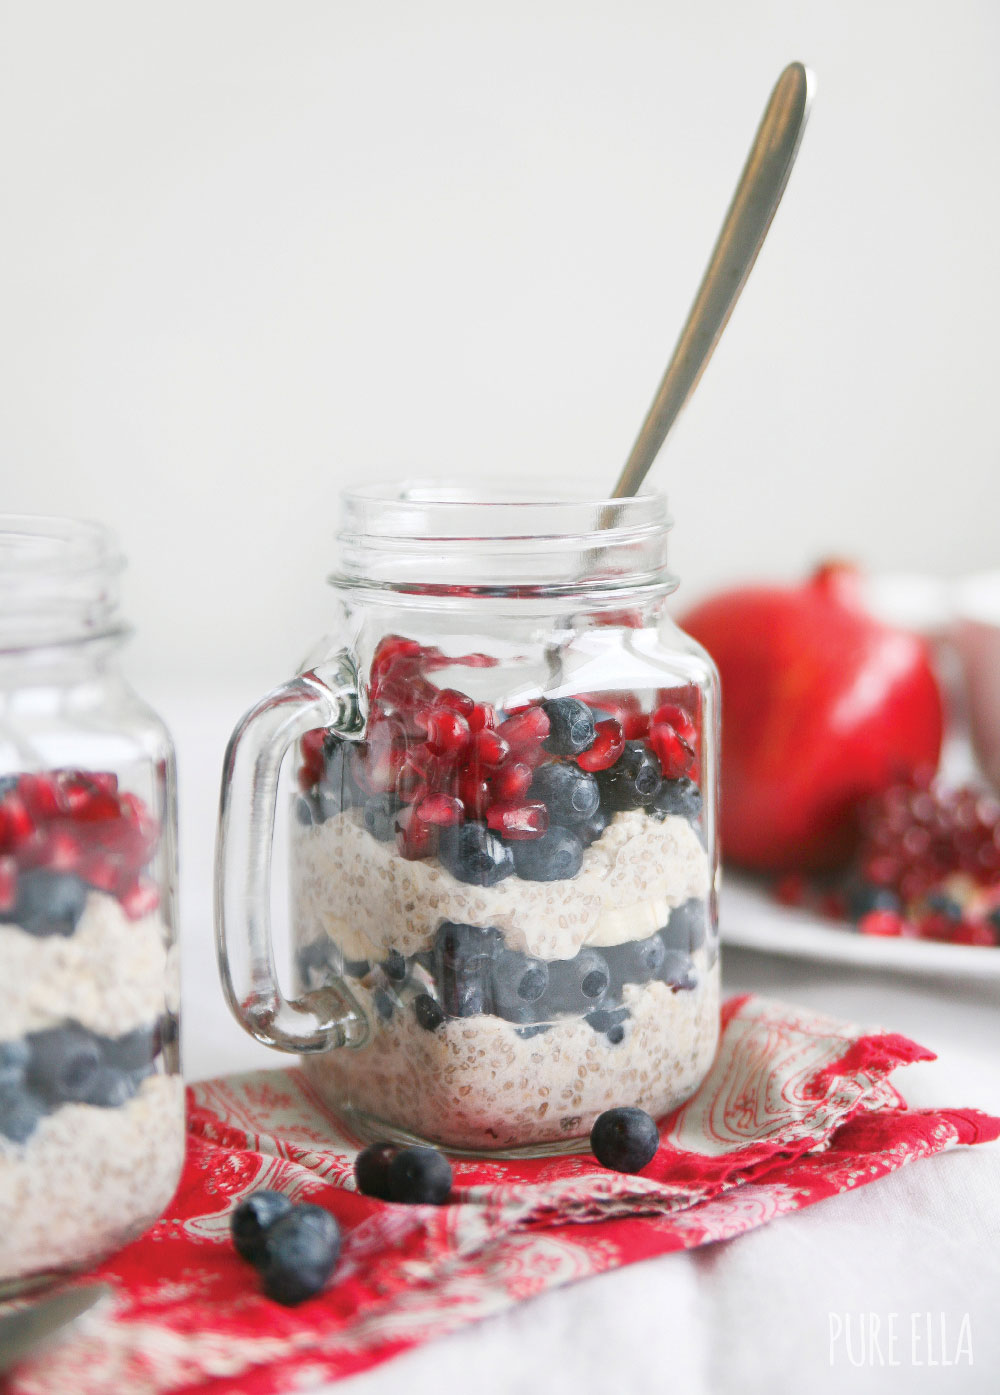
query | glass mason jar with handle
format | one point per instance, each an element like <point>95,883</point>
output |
<point>503,854</point>
<point>91,1101</point>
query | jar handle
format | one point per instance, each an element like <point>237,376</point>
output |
<point>325,696</point>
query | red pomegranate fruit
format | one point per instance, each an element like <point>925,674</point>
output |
<point>822,707</point>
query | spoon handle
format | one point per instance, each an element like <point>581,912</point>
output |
<point>757,196</point>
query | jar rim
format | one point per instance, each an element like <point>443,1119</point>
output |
<point>58,581</point>
<point>31,544</point>
<point>513,541</point>
<point>404,509</point>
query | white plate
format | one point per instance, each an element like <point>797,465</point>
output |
<point>751,919</point>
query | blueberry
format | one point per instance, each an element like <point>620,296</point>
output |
<point>13,1063</point>
<point>421,1176</point>
<point>685,930</point>
<point>252,1217</point>
<point>473,854</point>
<point>463,968</point>
<point>380,817</point>
<point>317,963</point>
<point>942,904</point>
<point>336,789</point>
<point>624,1140</point>
<point>49,903</point>
<point>306,813</point>
<point>634,780</point>
<point>64,1064</point>
<point>680,797</point>
<point>518,984</point>
<point>534,1030</point>
<point>571,726</point>
<point>394,966</point>
<point>357,968</point>
<point>20,1111</point>
<point>591,829</point>
<point>428,1011</point>
<point>678,971</point>
<point>862,897</point>
<point>570,794</point>
<point>610,1023</point>
<point>578,985</point>
<point>298,1254</point>
<point>638,961</point>
<point>133,1051</point>
<point>111,1088</point>
<point>8,783</point>
<point>384,1004</point>
<point>556,856</point>
<point>371,1169</point>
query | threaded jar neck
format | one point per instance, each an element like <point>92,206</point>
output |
<point>434,539</point>
<point>58,582</point>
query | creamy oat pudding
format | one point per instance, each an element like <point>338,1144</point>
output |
<point>519,900</point>
<point>91,1105</point>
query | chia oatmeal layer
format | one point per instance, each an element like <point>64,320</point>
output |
<point>510,1015</point>
<point>111,975</point>
<point>367,899</point>
<point>89,1179</point>
<point>477,1082</point>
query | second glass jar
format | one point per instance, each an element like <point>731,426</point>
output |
<point>503,859</point>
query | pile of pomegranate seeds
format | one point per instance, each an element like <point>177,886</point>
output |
<point>445,759</point>
<point>927,867</point>
<point>77,822</point>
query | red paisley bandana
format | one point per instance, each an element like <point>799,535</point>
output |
<point>796,1108</point>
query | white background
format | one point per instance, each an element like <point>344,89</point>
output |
<point>253,251</point>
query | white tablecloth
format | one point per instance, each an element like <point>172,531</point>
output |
<point>759,1313</point>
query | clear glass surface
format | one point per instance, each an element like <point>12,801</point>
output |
<point>91,1101</point>
<point>503,864</point>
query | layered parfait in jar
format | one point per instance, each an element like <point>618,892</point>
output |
<point>91,1104</point>
<point>518,896</point>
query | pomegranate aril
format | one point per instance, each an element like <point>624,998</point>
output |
<point>511,782</point>
<point>63,851</point>
<point>636,725</point>
<point>104,780</point>
<point>609,742</point>
<point>881,923</point>
<point>444,810</point>
<point>525,729</point>
<point>139,899</point>
<point>312,757</point>
<point>414,838</point>
<point>475,792</point>
<point>8,884</point>
<point>99,808</point>
<point>677,718</point>
<point>447,732</point>
<point>390,650</point>
<point>791,889</point>
<point>103,872</point>
<point>518,821</point>
<point>489,748</point>
<point>41,796</point>
<point>483,717</point>
<point>937,927</point>
<point>16,824</point>
<point>455,701</point>
<point>625,708</point>
<point>977,932</point>
<point>673,752</point>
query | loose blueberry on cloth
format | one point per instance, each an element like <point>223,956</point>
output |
<point>796,1108</point>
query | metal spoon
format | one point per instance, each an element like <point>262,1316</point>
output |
<point>757,196</point>
<point>28,1330</point>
